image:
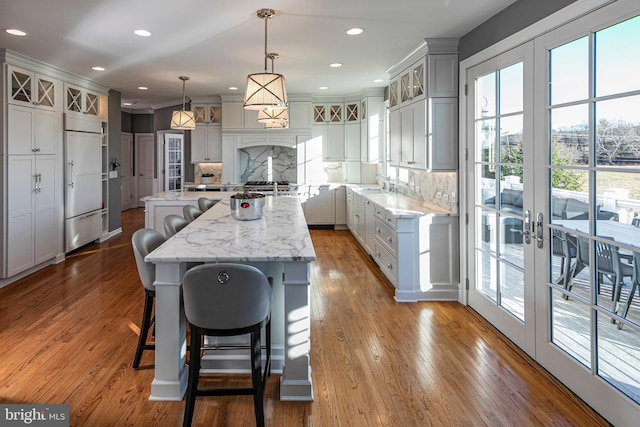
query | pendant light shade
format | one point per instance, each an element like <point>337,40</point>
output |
<point>183,119</point>
<point>277,125</point>
<point>265,89</point>
<point>269,115</point>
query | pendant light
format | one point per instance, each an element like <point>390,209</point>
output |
<point>273,115</point>
<point>183,119</point>
<point>265,89</point>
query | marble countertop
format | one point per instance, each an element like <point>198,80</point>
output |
<point>188,195</point>
<point>215,236</point>
<point>398,205</point>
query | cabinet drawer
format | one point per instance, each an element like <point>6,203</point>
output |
<point>386,236</point>
<point>384,216</point>
<point>387,262</point>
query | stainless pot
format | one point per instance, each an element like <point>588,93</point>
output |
<point>247,209</point>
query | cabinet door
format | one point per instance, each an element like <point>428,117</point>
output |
<point>21,189</point>
<point>340,196</point>
<point>214,137</point>
<point>395,136</point>
<point>320,209</point>
<point>393,94</point>
<point>443,134</point>
<point>31,89</point>
<point>352,142</point>
<point>406,136</point>
<point>418,72</point>
<point>81,101</point>
<point>443,76</point>
<point>419,131</point>
<point>45,209</point>
<point>20,130</point>
<point>199,144</point>
<point>351,112</point>
<point>333,144</point>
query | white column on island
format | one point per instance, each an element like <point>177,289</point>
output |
<point>170,382</point>
<point>295,383</point>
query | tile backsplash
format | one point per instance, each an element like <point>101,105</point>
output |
<point>438,189</point>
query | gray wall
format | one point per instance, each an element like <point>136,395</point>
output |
<point>115,144</point>
<point>509,21</point>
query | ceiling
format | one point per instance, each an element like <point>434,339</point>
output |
<point>218,42</point>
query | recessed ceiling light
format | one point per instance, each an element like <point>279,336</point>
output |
<point>335,65</point>
<point>142,33</point>
<point>323,87</point>
<point>15,32</point>
<point>97,68</point>
<point>354,31</point>
<point>233,88</point>
<point>378,81</point>
<point>143,87</point>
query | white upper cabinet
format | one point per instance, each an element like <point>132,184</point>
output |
<point>443,76</point>
<point>32,131</point>
<point>328,113</point>
<point>207,114</point>
<point>28,88</point>
<point>81,101</point>
<point>423,103</point>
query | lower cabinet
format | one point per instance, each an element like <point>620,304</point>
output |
<point>319,209</point>
<point>418,254</point>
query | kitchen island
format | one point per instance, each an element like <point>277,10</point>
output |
<point>278,244</point>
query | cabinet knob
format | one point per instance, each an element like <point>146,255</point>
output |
<point>390,267</point>
<point>378,230</point>
<point>389,239</point>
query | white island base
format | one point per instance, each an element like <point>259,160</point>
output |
<point>279,245</point>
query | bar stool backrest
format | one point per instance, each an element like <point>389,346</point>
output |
<point>190,212</point>
<point>174,223</point>
<point>144,241</point>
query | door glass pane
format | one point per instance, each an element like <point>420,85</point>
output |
<point>487,275</point>
<point>511,89</point>
<point>570,327</point>
<point>618,60</point>
<point>486,96</point>
<point>512,290</point>
<point>618,355</point>
<point>618,131</point>
<point>569,69</point>
<point>488,231</point>
<point>570,135</point>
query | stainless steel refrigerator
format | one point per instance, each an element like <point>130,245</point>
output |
<point>83,186</point>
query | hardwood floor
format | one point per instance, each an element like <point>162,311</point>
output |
<point>69,332</point>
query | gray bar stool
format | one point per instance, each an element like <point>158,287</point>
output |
<point>205,203</point>
<point>145,241</point>
<point>190,212</point>
<point>174,223</point>
<point>226,300</point>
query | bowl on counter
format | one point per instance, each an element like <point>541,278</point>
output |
<point>247,206</point>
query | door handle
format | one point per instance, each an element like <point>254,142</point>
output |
<point>526,227</point>
<point>538,230</point>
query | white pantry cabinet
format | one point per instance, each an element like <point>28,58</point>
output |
<point>32,227</point>
<point>79,101</point>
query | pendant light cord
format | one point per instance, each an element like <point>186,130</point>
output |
<point>266,18</point>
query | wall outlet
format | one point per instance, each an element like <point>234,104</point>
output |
<point>453,197</point>
<point>438,194</point>
<point>445,197</point>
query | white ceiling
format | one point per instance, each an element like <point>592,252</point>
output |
<point>218,42</point>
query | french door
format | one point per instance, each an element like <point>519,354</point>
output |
<point>501,238</point>
<point>553,172</point>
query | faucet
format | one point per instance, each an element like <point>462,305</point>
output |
<point>275,188</point>
<point>387,179</point>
